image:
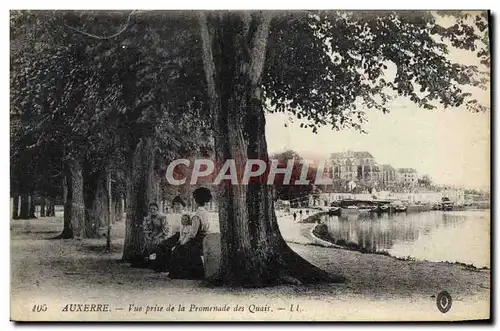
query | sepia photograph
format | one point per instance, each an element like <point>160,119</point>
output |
<point>250,165</point>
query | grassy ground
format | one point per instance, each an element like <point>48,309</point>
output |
<point>60,272</point>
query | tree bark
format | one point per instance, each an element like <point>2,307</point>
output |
<point>116,209</point>
<point>96,204</point>
<point>48,207</point>
<point>15,207</point>
<point>32,206</point>
<point>156,188</point>
<point>74,208</point>
<point>122,206</point>
<point>75,191</point>
<point>42,206</point>
<point>119,208</point>
<point>140,193</point>
<point>110,211</point>
<point>51,207</point>
<point>24,213</point>
<point>253,251</point>
<point>67,232</point>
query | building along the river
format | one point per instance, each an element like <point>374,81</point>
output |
<point>407,176</point>
<point>359,167</point>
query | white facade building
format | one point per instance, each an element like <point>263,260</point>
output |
<point>407,176</point>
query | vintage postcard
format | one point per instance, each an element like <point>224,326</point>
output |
<point>314,165</point>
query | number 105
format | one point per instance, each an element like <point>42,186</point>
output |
<point>39,308</point>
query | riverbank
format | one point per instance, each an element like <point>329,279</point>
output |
<point>58,272</point>
<point>432,236</point>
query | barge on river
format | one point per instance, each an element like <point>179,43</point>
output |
<point>378,206</point>
<point>358,206</point>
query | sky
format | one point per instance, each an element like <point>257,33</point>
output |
<point>450,145</point>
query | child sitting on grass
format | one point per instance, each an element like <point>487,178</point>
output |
<point>186,255</point>
<point>186,225</point>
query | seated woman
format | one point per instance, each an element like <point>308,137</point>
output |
<point>155,230</point>
<point>162,254</point>
<point>186,255</point>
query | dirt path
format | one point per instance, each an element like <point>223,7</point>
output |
<point>60,272</point>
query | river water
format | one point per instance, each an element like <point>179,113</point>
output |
<point>454,236</point>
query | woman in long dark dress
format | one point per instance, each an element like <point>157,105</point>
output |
<point>155,229</point>
<point>186,255</point>
<point>163,251</point>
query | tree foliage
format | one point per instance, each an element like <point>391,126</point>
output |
<point>91,85</point>
<point>92,82</point>
<point>94,98</point>
<point>322,65</point>
<point>293,190</point>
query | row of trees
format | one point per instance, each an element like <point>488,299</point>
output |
<point>100,97</point>
<point>86,111</point>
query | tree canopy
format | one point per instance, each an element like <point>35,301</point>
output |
<point>293,190</point>
<point>320,64</point>
<point>90,83</point>
<point>82,75</point>
<point>103,88</point>
<point>77,95</point>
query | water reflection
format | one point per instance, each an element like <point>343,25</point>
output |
<point>437,236</point>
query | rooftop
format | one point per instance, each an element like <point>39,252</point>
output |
<point>407,170</point>
<point>341,155</point>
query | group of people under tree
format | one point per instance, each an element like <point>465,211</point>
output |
<point>174,243</point>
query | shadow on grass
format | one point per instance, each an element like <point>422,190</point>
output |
<point>101,248</point>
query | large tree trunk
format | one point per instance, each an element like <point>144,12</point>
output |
<point>74,208</point>
<point>75,193</point>
<point>24,213</point>
<point>11,207</point>
<point>51,207</point>
<point>42,206</point>
<point>67,232</point>
<point>110,210</point>
<point>253,251</point>
<point>140,192</point>
<point>123,205</point>
<point>156,188</point>
<point>48,207</point>
<point>96,202</point>
<point>15,207</point>
<point>32,206</point>
<point>119,208</point>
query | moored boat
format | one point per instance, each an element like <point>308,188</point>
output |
<point>385,208</point>
<point>397,206</point>
<point>437,206</point>
<point>334,211</point>
<point>354,206</point>
<point>400,208</point>
<point>446,204</point>
<point>355,210</point>
<point>447,207</point>
<point>375,209</point>
<point>350,210</point>
<point>365,210</point>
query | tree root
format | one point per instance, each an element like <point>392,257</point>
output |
<point>289,268</point>
<point>65,234</point>
<point>287,279</point>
